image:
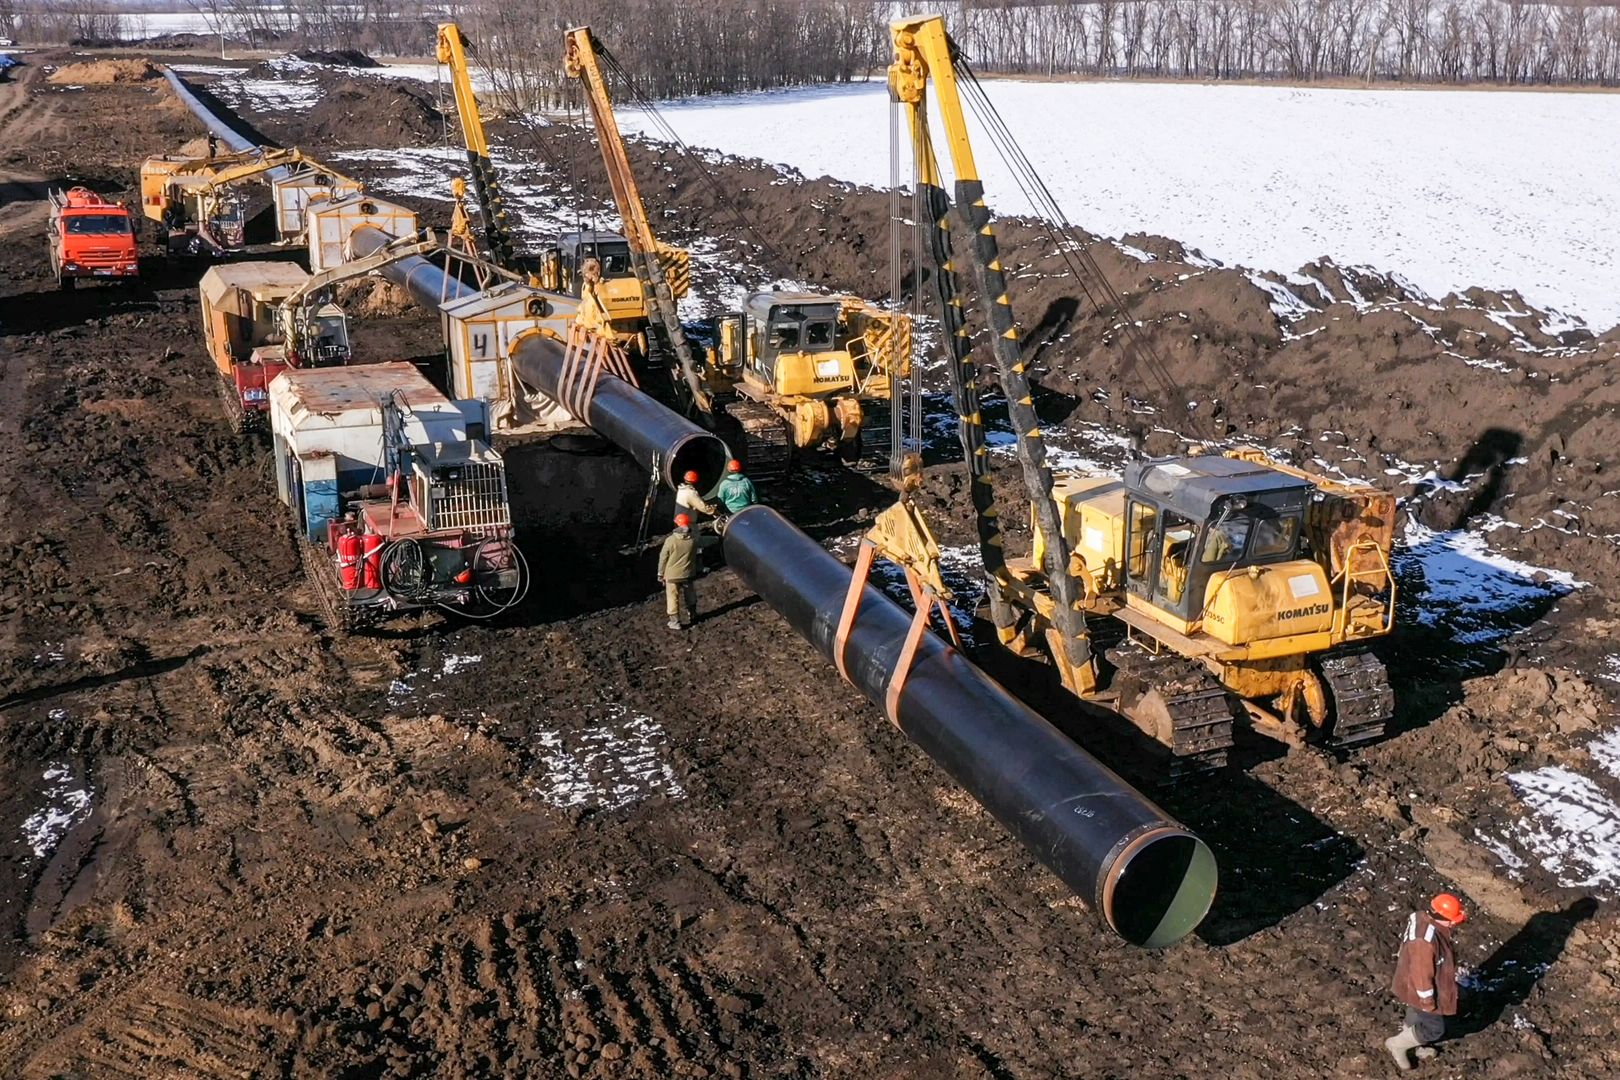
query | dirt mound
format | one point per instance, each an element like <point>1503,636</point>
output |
<point>376,112</point>
<point>353,58</point>
<point>104,72</point>
<point>373,298</point>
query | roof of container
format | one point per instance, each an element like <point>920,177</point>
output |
<point>379,207</point>
<point>340,389</point>
<point>263,280</point>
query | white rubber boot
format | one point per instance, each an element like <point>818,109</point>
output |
<point>1400,1045</point>
<point>1425,1053</point>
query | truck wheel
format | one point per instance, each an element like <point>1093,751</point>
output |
<point>67,283</point>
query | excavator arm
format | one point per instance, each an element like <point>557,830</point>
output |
<point>580,61</point>
<point>451,51</point>
<point>924,53</point>
<point>265,162</point>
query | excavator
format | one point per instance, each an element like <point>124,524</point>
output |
<point>1192,593</point>
<point>791,370</point>
<point>201,205</point>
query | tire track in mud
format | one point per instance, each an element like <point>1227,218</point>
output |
<point>516,990</point>
<point>149,1033</point>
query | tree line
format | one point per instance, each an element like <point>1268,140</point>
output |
<point>1442,41</point>
<point>674,48</point>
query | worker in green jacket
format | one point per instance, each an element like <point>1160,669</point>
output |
<point>678,571</point>
<point>736,491</point>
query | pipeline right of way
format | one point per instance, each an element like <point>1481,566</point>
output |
<point>1150,879</point>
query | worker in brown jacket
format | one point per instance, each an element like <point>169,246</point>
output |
<point>677,570</point>
<point>1426,979</point>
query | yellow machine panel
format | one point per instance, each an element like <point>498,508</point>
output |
<point>1264,602</point>
<point>810,374</point>
<point>1093,514</point>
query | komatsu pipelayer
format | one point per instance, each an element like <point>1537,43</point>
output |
<point>1242,588</point>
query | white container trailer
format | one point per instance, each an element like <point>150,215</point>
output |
<point>482,330</point>
<point>329,430</point>
<point>332,223</point>
<point>294,195</point>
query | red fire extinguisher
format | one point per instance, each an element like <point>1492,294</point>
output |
<point>348,549</point>
<point>373,545</point>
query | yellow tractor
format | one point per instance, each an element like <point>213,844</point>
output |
<point>798,366</point>
<point>1194,590</point>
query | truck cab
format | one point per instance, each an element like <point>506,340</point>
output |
<point>90,237</point>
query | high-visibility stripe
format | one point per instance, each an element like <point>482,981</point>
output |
<point>1428,934</point>
<point>1425,993</point>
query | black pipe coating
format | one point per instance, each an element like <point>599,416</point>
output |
<point>1150,879</point>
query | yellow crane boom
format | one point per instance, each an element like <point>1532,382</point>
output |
<point>451,51</point>
<point>924,54</point>
<point>580,61</point>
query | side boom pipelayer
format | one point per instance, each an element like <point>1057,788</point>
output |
<point>1149,879</point>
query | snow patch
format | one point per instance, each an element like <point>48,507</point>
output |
<point>1467,588</point>
<point>615,762</point>
<point>1270,177</point>
<point>67,802</point>
<point>1575,830</point>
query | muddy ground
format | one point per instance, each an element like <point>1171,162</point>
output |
<point>574,844</point>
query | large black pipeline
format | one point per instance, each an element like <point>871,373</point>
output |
<point>1150,879</point>
<point>616,410</point>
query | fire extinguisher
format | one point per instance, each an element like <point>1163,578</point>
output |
<point>348,548</point>
<point>372,551</point>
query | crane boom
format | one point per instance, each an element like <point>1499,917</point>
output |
<point>924,52</point>
<point>581,62</point>
<point>451,51</point>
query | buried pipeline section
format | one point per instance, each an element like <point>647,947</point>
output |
<point>1150,879</point>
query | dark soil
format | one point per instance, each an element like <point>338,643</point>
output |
<point>320,857</point>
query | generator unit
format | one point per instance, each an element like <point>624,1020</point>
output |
<point>401,504</point>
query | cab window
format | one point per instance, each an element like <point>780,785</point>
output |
<point>1273,536</point>
<point>1144,521</point>
<point>818,336</point>
<point>1224,542</point>
<point>785,335</point>
<point>97,225</point>
<point>1178,540</point>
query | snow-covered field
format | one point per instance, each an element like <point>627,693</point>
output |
<point>1449,189</point>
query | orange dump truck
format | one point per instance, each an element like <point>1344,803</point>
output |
<point>90,237</point>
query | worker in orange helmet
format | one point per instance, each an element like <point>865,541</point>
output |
<point>736,491</point>
<point>677,572</point>
<point>690,499</point>
<point>1426,979</point>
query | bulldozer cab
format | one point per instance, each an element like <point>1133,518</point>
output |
<point>1188,519</point>
<point>610,250</point>
<point>797,343</point>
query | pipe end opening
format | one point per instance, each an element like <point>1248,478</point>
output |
<point>704,454</point>
<point>1161,889</point>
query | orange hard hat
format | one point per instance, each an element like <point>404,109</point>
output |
<point>691,476</point>
<point>1449,908</point>
<point>733,465</point>
<point>682,520</point>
